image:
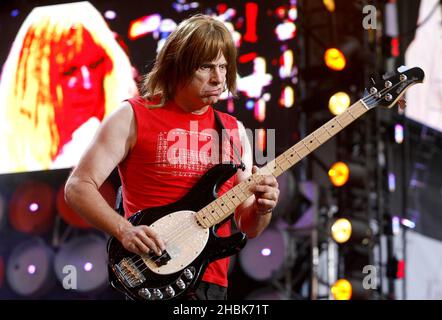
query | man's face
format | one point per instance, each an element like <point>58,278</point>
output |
<point>81,82</point>
<point>206,85</point>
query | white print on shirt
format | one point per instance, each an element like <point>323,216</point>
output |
<point>190,152</point>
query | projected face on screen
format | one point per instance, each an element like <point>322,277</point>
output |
<point>81,80</point>
<point>65,72</point>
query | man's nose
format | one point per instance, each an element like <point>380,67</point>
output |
<point>85,78</point>
<point>217,76</point>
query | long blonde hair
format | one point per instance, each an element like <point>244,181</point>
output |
<point>196,40</point>
<point>29,88</point>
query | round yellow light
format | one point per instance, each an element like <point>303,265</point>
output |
<point>334,59</point>
<point>342,290</point>
<point>329,5</point>
<point>341,230</point>
<point>339,174</point>
<point>339,102</point>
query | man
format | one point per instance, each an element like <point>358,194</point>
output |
<point>195,65</point>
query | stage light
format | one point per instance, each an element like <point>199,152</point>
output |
<point>31,208</point>
<point>391,182</point>
<point>339,174</point>
<point>266,252</point>
<point>88,257</point>
<point>144,25</point>
<point>339,102</point>
<point>293,13</point>
<point>110,14</point>
<point>262,134</point>
<point>341,230</point>
<point>329,5</point>
<point>350,289</point>
<point>350,173</point>
<point>29,270</point>
<point>399,133</point>
<point>15,13</point>
<point>260,110</point>
<point>335,59</point>
<point>87,266</point>
<point>351,229</point>
<point>287,98</point>
<point>342,290</point>
<point>263,257</point>
<point>285,31</point>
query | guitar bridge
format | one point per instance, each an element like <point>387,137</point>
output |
<point>127,271</point>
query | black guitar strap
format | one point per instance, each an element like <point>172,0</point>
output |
<point>223,135</point>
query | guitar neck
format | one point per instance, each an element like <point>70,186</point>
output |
<point>221,208</point>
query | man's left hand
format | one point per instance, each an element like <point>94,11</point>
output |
<point>266,194</point>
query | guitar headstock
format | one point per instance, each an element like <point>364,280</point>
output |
<point>387,92</point>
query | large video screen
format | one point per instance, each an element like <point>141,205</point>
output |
<point>66,67</point>
<point>424,101</point>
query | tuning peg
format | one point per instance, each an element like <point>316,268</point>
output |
<point>366,92</point>
<point>388,75</point>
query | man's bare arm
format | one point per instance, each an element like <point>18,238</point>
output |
<point>114,139</point>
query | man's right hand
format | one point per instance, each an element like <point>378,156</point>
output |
<point>141,240</point>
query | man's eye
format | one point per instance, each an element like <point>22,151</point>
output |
<point>205,67</point>
<point>96,63</point>
<point>70,71</point>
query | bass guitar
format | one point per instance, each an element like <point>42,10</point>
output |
<point>188,226</point>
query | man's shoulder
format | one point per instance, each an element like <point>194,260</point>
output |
<point>139,101</point>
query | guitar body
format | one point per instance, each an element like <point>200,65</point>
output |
<point>189,246</point>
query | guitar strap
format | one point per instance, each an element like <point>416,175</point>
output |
<point>222,128</point>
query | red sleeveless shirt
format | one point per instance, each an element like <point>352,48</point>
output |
<point>170,155</point>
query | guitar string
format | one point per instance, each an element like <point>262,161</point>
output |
<point>369,99</point>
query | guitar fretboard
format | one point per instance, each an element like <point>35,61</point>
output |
<point>224,206</point>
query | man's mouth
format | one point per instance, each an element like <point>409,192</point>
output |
<point>212,93</point>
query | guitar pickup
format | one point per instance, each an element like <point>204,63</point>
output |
<point>162,259</point>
